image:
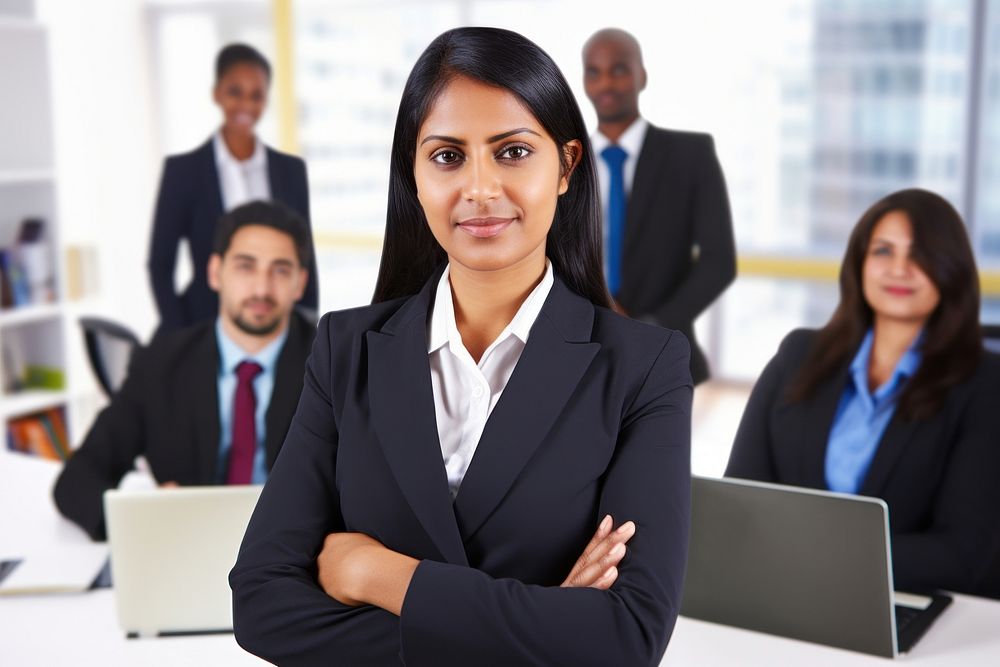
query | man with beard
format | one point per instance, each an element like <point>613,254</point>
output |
<point>669,249</point>
<point>209,404</point>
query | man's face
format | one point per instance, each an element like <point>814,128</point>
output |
<point>259,279</point>
<point>613,77</point>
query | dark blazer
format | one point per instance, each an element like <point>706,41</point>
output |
<point>188,206</point>
<point>594,420</point>
<point>939,476</point>
<point>679,253</point>
<point>168,411</point>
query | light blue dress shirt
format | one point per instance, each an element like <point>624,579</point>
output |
<point>862,417</point>
<point>231,355</point>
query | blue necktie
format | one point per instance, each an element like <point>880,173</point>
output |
<point>615,157</point>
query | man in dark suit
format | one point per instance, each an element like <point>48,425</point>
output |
<point>669,249</point>
<point>209,404</point>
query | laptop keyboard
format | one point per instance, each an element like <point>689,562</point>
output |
<point>912,623</point>
<point>904,616</point>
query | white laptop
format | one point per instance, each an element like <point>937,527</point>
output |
<point>171,552</point>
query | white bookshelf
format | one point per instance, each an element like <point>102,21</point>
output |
<point>36,334</point>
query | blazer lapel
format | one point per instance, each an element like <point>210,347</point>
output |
<point>811,426</point>
<point>892,444</point>
<point>212,182</point>
<point>201,387</point>
<point>556,356</point>
<point>274,179</point>
<point>648,171</point>
<point>287,388</point>
<point>403,416</point>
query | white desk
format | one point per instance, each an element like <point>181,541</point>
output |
<point>83,629</point>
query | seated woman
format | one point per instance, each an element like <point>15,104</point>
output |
<point>895,397</point>
<point>457,442</point>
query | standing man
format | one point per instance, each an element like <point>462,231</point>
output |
<point>669,249</point>
<point>211,403</point>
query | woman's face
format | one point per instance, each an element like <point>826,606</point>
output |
<point>894,284</point>
<point>488,177</point>
<point>241,93</point>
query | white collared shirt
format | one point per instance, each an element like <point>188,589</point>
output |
<point>241,181</point>
<point>465,392</point>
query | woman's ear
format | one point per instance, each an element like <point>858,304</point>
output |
<point>572,152</point>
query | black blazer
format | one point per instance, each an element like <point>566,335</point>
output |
<point>594,420</point>
<point>940,476</point>
<point>188,206</point>
<point>168,411</point>
<point>679,253</point>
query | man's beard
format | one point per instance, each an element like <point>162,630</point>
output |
<point>252,329</point>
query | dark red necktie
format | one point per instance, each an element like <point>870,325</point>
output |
<point>244,444</point>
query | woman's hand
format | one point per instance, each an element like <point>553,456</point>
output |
<point>341,566</point>
<point>355,569</point>
<point>597,567</point>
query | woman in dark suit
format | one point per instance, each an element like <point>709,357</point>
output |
<point>231,168</point>
<point>458,442</point>
<point>895,397</point>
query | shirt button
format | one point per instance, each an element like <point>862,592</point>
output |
<point>477,392</point>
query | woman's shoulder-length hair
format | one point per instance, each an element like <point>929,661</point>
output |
<point>951,346</point>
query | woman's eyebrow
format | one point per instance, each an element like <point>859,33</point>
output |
<point>510,133</point>
<point>489,140</point>
<point>441,137</point>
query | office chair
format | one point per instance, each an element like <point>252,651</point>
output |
<point>109,348</point>
<point>991,337</point>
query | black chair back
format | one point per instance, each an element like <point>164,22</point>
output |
<point>109,348</point>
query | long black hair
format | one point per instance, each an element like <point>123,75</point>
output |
<point>507,60</point>
<point>952,343</point>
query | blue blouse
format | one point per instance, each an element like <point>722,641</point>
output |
<point>863,416</point>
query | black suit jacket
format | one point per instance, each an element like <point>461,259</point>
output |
<point>679,253</point>
<point>595,420</point>
<point>939,476</point>
<point>168,411</point>
<point>188,206</point>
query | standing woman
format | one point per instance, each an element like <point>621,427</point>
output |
<point>231,168</point>
<point>458,442</point>
<point>895,397</point>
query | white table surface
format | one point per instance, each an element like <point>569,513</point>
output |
<point>82,629</point>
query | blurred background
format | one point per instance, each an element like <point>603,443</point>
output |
<point>818,108</point>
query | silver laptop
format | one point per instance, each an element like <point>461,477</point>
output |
<point>800,563</point>
<point>171,552</point>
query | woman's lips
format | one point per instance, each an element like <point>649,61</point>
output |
<point>484,228</point>
<point>899,291</point>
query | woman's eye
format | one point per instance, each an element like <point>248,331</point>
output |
<point>515,153</point>
<point>446,157</point>
<point>882,251</point>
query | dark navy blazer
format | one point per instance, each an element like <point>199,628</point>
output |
<point>940,476</point>
<point>188,206</point>
<point>679,254</point>
<point>595,420</point>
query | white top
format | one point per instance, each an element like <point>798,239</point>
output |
<point>241,181</point>
<point>465,392</point>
